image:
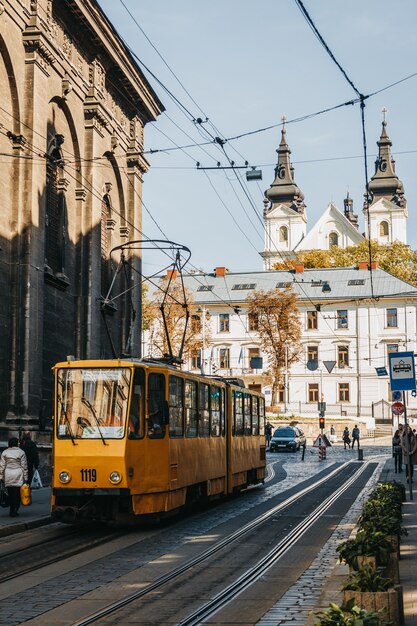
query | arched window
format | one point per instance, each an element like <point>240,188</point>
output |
<point>283,233</point>
<point>383,229</point>
<point>333,240</point>
<point>104,238</point>
<point>55,214</point>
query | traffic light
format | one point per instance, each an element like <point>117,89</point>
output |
<point>321,421</point>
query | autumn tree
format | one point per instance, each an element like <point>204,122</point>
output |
<point>175,311</point>
<point>396,258</point>
<point>279,328</point>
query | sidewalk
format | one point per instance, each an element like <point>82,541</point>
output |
<point>408,561</point>
<point>37,514</point>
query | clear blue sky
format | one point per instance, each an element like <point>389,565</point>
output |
<point>246,64</point>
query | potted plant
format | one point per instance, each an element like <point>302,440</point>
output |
<point>347,615</point>
<point>370,590</point>
<point>365,544</point>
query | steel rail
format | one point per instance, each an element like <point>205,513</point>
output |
<point>254,573</point>
<point>170,576</point>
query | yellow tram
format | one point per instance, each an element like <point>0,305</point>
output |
<point>141,438</point>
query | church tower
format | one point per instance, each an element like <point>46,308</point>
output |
<point>284,210</point>
<point>388,207</point>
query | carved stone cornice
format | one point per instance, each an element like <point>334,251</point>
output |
<point>81,194</point>
<point>110,223</point>
<point>37,50</point>
<point>136,161</point>
<point>95,116</point>
<point>124,232</point>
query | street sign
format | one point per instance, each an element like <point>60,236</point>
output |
<point>397,408</point>
<point>402,371</point>
<point>329,365</point>
<point>312,364</point>
<point>381,371</point>
<point>397,396</point>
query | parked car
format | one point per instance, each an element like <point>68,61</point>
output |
<point>287,438</point>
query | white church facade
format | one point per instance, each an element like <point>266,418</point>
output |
<point>285,213</point>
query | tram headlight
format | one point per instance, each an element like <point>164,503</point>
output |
<point>64,477</point>
<point>115,477</point>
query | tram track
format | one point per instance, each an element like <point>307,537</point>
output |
<point>14,563</point>
<point>253,573</point>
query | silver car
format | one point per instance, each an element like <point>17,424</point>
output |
<point>288,438</point>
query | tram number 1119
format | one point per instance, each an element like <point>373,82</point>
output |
<point>88,475</point>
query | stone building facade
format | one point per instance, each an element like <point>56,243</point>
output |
<point>73,108</point>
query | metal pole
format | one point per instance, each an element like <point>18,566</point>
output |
<point>407,446</point>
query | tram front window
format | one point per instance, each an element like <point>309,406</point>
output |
<point>92,403</point>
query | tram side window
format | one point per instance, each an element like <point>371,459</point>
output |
<point>176,406</point>
<point>191,408</point>
<point>255,416</point>
<point>247,414</point>
<point>216,411</point>
<point>156,402</point>
<point>204,410</point>
<point>261,416</point>
<point>137,406</point>
<point>238,412</point>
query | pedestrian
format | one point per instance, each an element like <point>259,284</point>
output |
<point>30,448</point>
<point>332,430</point>
<point>268,433</point>
<point>409,446</point>
<point>355,435</point>
<point>397,452</point>
<point>14,473</point>
<point>346,437</point>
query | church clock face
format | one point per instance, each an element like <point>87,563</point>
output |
<point>383,165</point>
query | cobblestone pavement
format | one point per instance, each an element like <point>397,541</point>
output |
<point>284,471</point>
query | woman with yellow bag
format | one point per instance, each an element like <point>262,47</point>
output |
<point>14,473</point>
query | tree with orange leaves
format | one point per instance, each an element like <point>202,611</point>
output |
<point>279,328</point>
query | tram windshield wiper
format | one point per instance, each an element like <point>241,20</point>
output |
<point>94,414</point>
<point>64,413</point>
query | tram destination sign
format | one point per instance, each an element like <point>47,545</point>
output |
<point>402,371</point>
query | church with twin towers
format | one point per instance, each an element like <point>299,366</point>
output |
<point>285,214</point>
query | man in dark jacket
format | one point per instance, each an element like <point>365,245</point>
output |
<point>30,449</point>
<point>355,435</point>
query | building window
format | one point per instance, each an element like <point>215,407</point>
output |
<point>344,393</point>
<point>392,321</point>
<point>342,319</point>
<point>195,357</point>
<point>224,322</point>
<point>253,353</point>
<point>195,324</point>
<point>312,320</point>
<point>392,347</point>
<point>281,393</point>
<point>383,229</point>
<point>313,392</point>
<point>313,353</point>
<point>283,233</point>
<point>342,356</point>
<point>333,240</point>
<point>252,322</point>
<point>104,240</point>
<point>224,358</point>
<point>55,214</point>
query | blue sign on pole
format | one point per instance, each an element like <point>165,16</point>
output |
<point>402,371</point>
